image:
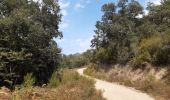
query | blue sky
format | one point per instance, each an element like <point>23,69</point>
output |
<point>78,23</point>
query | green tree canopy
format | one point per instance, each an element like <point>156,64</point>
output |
<point>27,29</point>
<point>122,36</point>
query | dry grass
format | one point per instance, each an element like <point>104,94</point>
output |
<point>72,87</point>
<point>149,80</point>
<point>68,91</point>
<point>5,93</point>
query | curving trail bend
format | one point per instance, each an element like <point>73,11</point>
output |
<point>113,91</point>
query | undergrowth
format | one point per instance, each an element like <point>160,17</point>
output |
<point>71,87</point>
<point>149,80</point>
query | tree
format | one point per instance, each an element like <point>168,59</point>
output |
<point>154,35</point>
<point>27,29</point>
<point>116,32</point>
<point>77,60</point>
<point>122,4</point>
<point>134,9</point>
<point>122,36</point>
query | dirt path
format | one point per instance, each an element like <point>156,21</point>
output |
<point>113,91</point>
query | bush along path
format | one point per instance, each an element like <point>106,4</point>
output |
<point>113,91</point>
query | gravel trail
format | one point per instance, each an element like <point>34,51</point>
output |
<point>113,91</point>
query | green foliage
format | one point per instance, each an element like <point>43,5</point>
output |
<point>26,40</point>
<point>80,88</point>
<point>141,58</point>
<point>77,60</point>
<point>73,61</point>
<point>154,50</point>
<point>102,55</point>
<point>54,81</point>
<point>116,32</point>
<point>29,80</point>
<point>91,68</point>
<point>122,36</point>
<point>70,76</point>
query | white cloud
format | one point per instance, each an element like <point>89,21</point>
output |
<point>83,44</point>
<point>59,40</point>
<point>77,45</point>
<point>88,1</point>
<point>64,6</point>
<point>64,12</point>
<point>156,2</point>
<point>64,25</point>
<point>81,4</point>
<point>78,6</point>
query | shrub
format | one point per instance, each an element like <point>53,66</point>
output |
<point>149,79</point>
<point>155,50</point>
<point>143,57</point>
<point>69,76</point>
<point>54,81</point>
<point>72,87</point>
<point>103,55</point>
<point>29,80</point>
<point>93,70</point>
<point>162,57</point>
<point>90,69</point>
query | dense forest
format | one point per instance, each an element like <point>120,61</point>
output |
<point>123,36</point>
<point>27,29</point>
